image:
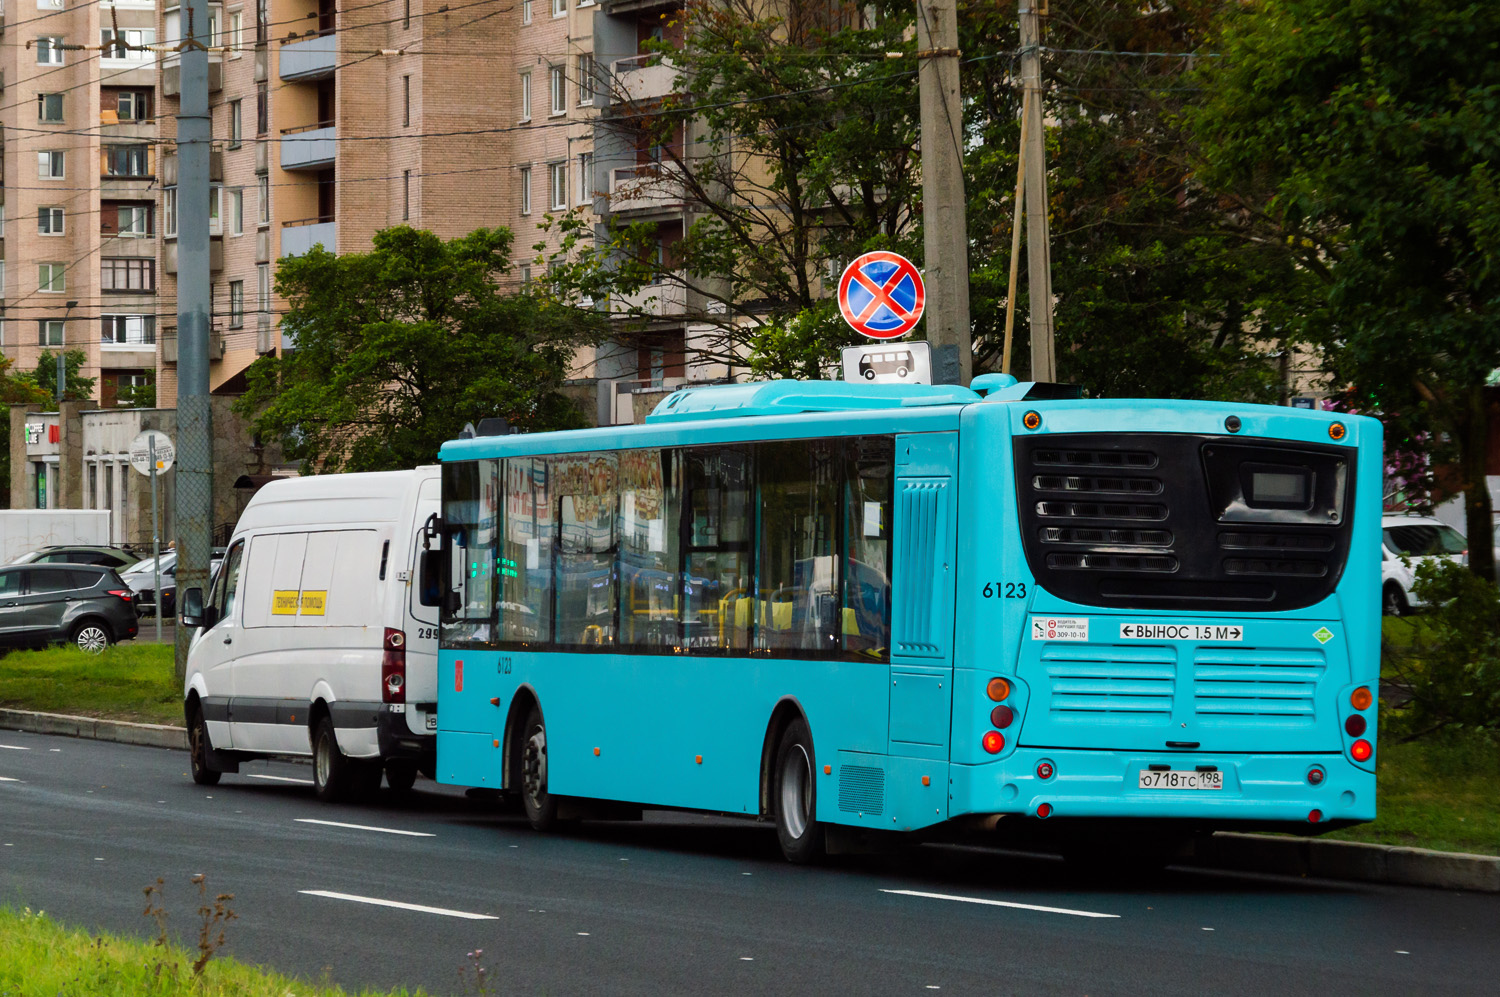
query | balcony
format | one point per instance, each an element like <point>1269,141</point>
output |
<point>299,236</point>
<point>665,300</point>
<point>646,188</point>
<point>312,147</point>
<point>309,59</point>
<point>639,80</point>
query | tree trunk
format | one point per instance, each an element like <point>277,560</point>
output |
<point>1478,511</point>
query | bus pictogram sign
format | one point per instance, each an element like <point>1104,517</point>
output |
<point>881,295</point>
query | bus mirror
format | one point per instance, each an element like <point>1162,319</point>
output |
<point>192,608</point>
<point>430,578</point>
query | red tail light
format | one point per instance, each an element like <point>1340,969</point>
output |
<point>125,594</point>
<point>1315,817</point>
<point>393,667</point>
<point>1002,716</point>
<point>1044,770</point>
<point>993,742</point>
<point>1361,750</point>
<point>1044,810</point>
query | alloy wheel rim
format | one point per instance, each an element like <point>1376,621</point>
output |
<point>796,782</point>
<point>92,639</point>
<point>321,763</point>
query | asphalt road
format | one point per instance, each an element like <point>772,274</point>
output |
<point>676,904</point>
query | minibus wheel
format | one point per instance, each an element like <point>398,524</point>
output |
<point>541,807</point>
<point>198,747</point>
<point>331,770</point>
<point>795,796</point>
<point>400,775</point>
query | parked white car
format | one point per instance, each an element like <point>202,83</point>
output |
<point>1406,542</point>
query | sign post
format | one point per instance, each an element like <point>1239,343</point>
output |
<point>151,453</point>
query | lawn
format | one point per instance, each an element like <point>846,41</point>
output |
<point>41,958</point>
<point>126,682</point>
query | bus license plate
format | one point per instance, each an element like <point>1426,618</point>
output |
<point>1180,779</point>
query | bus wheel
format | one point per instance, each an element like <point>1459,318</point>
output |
<point>541,808</point>
<point>795,796</point>
<point>331,770</point>
<point>198,747</point>
<point>400,775</point>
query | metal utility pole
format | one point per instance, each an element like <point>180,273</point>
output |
<point>945,227</point>
<point>1038,241</point>
<point>195,494</point>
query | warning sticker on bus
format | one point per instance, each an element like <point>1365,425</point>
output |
<point>1060,628</point>
<point>1182,631</point>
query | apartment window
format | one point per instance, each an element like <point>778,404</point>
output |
<point>236,32</point>
<point>127,43</point>
<point>263,200</point>
<point>50,164</point>
<point>405,194</point>
<point>405,101</point>
<point>127,274</point>
<point>215,18</point>
<point>49,51</point>
<point>262,20</point>
<point>235,137</point>
<point>558,85</point>
<point>127,330</point>
<point>559,186</point>
<point>234,206</point>
<point>126,161</point>
<point>133,105</point>
<point>262,109</point>
<point>406,15</point>
<point>49,221</point>
<point>525,11</point>
<point>525,96</point>
<point>215,206</point>
<point>585,177</point>
<point>169,206</point>
<point>525,277</point>
<point>236,304</point>
<point>525,190</point>
<point>49,107</point>
<point>263,286</point>
<point>134,220</point>
<point>585,80</point>
<point>52,277</point>
<point>49,332</point>
<point>559,8</point>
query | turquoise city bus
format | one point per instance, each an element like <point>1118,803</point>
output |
<point>850,608</point>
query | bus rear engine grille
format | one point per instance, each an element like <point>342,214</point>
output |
<point>1112,562</point>
<point>1098,484</point>
<point>1278,567</point>
<point>1255,686</point>
<point>1110,684</point>
<point>1141,511</point>
<point>1133,459</point>
<point>1099,536</point>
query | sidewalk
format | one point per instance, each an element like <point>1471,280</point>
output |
<point>1275,854</point>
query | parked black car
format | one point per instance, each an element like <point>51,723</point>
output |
<point>85,605</point>
<point>141,576</point>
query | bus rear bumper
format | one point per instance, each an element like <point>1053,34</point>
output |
<point>1255,787</point>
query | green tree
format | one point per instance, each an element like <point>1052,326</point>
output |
<point>396,349</point>
<point>1362,135</point>
<point>15,389</point>
<point>76,387</point>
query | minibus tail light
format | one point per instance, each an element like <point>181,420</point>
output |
<point>393,667</point>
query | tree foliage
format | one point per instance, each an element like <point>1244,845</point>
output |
<point>396,349</point>
<point>76,387</point>
<point>1451,671</point>
<point>1362,135</point>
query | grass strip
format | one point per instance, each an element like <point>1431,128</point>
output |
<point>125,682</point>
<point>41,958</point>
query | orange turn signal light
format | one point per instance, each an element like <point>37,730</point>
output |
<point>997,689</point>
<point>1337,431</point>
<point>1031,420</point>
<point>1361,698</point>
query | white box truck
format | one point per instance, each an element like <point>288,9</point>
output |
<point>312,639</point>
<point>26,530</point>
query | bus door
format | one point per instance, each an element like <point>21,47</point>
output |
<point>922,595</point>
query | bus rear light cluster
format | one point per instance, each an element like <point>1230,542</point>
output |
<point>1361,698</point>
<point>1361,750</point>
<point>994,742</point>
<point>1002,717</point>
<point>393,667</point>
<point>997,689</point>
<point>1044,771</point>
<point>1355,725</point>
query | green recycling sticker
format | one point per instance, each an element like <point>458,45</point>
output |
<point>1323,635</point>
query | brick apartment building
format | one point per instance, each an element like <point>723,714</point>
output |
<point>79,268</point>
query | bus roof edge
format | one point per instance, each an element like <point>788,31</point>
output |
<point>786,397</point>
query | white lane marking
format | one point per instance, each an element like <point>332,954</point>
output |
<point>6,778</point>
<point>364,827</point>
<point>281,778</point>
<point>999,903</point>
<point>419,908</point>
<point>13,747</point>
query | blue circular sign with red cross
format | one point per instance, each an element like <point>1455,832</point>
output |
<point>881,295</point>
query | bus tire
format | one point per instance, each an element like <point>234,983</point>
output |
<point>331,769</point>
<point>541,806</point>
<point>198,748</point>
<point>400,775</point>
<point>794,796</point>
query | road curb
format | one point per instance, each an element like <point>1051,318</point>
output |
<point>1353,860</point>
<point>1286,856</point>
<point>119,731</point>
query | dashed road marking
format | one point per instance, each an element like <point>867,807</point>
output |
<point>419,908</point>
<point>999,903</point>
<point>280,778</point>
<point>364,827</point>
<point>13,747</point>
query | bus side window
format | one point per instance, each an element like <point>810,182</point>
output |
<point>797,568</point>
<point>716,582</point>
<point>585,507</point>
<point>526,550</point>
<point>650,516</point>
<point>866,619</point>
<point>470,508</point>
